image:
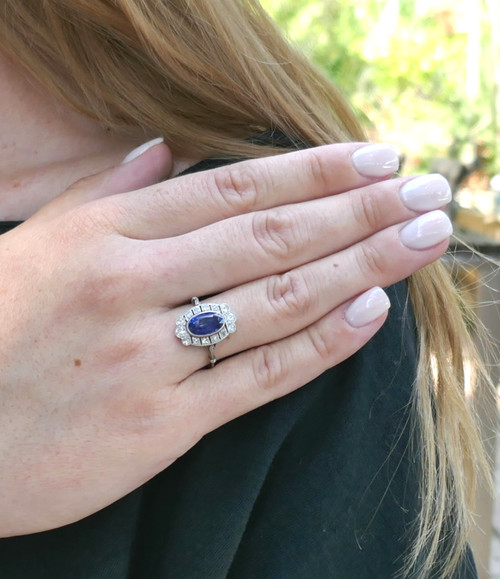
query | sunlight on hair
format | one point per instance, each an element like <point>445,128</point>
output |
<point>470,375</point>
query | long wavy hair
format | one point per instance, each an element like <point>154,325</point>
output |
<point>208,74</point>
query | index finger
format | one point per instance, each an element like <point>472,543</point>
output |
<point>193,201</point>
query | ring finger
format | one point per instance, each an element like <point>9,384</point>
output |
<point>274,307</point>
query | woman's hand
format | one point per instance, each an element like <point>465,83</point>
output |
<point>97,394</point>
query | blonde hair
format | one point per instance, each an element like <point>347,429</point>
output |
<point>208,74</point>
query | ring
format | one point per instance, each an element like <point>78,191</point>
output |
<point>206,325</point>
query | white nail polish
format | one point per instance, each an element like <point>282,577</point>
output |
<point>367,308</point>
<point>141,150</point>
<point>426,231</point>
<point>376,160</point>
<point>426,193</point>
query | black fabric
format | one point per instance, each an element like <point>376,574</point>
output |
<point>320,484</point>
<point>8,225</point>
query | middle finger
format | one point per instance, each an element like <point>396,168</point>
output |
<point>235,251</point>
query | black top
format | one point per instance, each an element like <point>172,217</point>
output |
<point>317,485</point>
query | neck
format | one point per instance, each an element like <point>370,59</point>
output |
<point>45,147</point>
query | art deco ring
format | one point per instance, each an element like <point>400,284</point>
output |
<point>206,325</point>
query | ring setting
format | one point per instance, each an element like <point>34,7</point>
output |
<point>206,325</point>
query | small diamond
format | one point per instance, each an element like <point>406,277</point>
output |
<point>224,308</point>
<point>181,321</point>
<point>196,341</point>
<point>188,315</point>
<point>206,308</point>
<point>180,332</point>
<point>223,333</point>
<point>205,341</point>
<point>215,339</point>
<point>186,342</point>
<point>231,328</point>
<point>230,318</point>
<point>196,310</point>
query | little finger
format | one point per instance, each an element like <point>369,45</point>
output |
<point>258,376</point>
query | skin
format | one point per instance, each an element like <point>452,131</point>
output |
<point>97,395</point>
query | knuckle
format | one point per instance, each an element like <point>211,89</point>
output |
<point>97,290</point>
<point>140,413</point>
<point>323,342</point>
<point>367,211</point>
<point>237,186</point>
<point>269,368</point>
<point>371,260</point>
<point>165,262</point>
<point>289,294</point>
<point>318,168</point>
<point>148,413</point>
<point>106,285</point>
<point>275,231</point>
<point>122,351</point>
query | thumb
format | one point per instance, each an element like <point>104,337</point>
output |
<point>148,164</point>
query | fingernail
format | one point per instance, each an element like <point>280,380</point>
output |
<point>141,150</point>
<point>426,231</point>
<point>367,307</point>
<point>426,193</point>
<point>376,160</point>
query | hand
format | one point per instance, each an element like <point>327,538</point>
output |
<point>98,395</point>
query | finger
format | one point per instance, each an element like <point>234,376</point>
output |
<point>187,203</point>
<point>274,307</point>
<point>258,376</point>
<point>143,170</point>
<point>232,252</point>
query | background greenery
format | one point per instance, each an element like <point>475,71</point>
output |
<point>423,74</point>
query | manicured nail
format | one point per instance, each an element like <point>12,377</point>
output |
<point>367,307</point>
<point>376,160</point>
<point>141,150</point>
<point>426,193</point>
<point>426,231</point>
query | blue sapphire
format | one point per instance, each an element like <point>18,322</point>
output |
<point>205,324</point>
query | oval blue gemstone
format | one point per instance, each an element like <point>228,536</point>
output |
<point>205,324</point>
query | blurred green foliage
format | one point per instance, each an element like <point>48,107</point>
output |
<point>423,74</point>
